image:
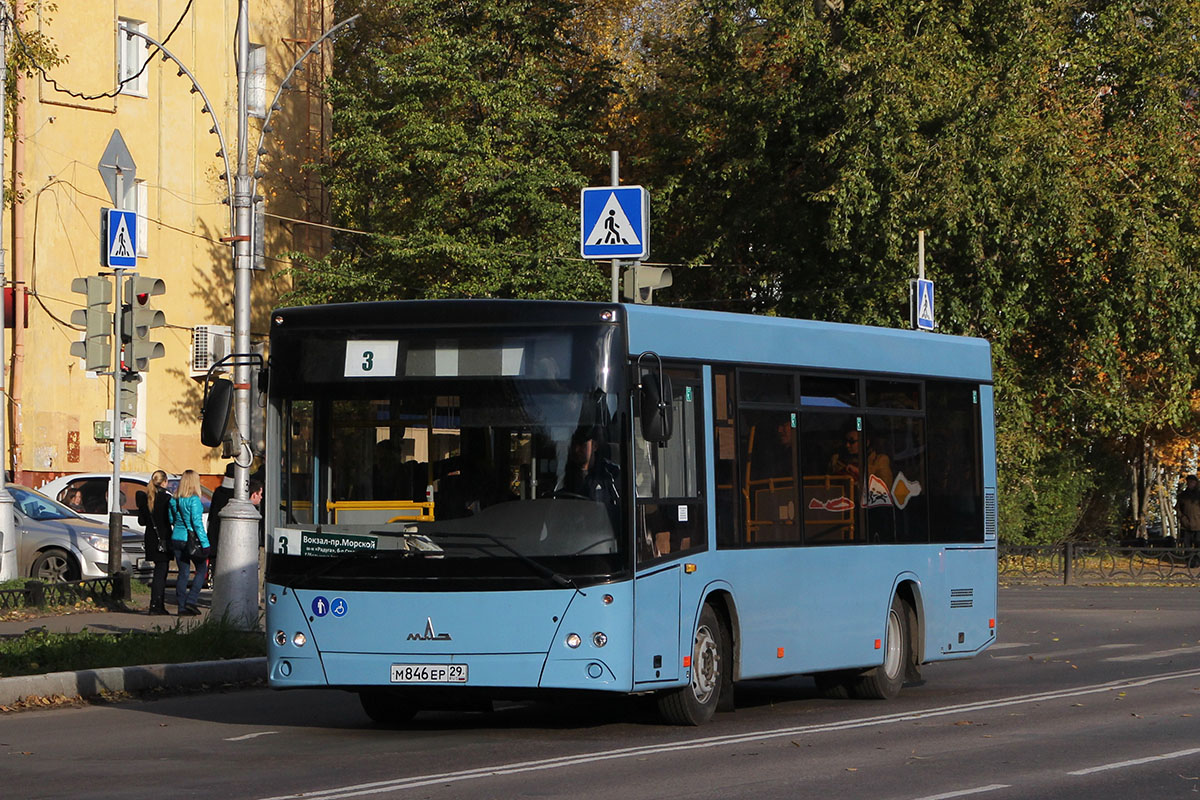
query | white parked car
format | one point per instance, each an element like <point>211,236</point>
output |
<point>56,544</point>
<point>92,498</point>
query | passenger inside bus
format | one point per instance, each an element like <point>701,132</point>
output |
<point>847,461</point>
<point>590,473</point>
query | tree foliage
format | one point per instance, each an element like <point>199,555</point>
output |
<point>459,133</point>
<point>793,151</point>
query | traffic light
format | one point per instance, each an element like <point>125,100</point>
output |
<point>138,318</point>
<point>129,394</point>
<point>640,282</point>
<point>97,321</point>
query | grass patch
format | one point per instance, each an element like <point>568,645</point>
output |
<point>40,652</point>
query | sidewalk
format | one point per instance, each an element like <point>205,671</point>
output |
<point>92,682</point>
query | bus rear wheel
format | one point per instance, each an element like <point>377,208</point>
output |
<point>695,703</point>
<point>387,707</point>
<point>884,682</point>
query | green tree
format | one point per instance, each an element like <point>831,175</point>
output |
<point>1050,152</point>
<point>459,137</point>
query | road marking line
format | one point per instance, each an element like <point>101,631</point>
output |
<point>417,781</point>
<point>250,736</point>
<point>1063,653</point>
<point>1137,762</point>
<point>1009,645</point>
<point>965,792</point>
<point>1157,654</point>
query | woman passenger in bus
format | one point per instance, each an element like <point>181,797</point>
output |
<point>847,461</point>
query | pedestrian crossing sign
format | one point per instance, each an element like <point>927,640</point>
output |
<point>614,222</point>
<point>925,320</point>
<point>120,238</point>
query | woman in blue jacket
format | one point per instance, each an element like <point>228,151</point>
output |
<point>187,516</point>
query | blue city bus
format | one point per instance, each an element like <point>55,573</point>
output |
<point>478,499</point>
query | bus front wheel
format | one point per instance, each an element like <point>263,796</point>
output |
<point>695,703</point>
<point>884,682</point>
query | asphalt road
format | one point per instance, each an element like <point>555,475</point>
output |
<point>1089,692</point>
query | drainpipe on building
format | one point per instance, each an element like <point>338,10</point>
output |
<point>17,378</point>
<point>8,530</point>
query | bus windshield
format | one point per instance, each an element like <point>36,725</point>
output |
<point>483,477</point>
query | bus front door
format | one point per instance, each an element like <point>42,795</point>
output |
<point>656,626</point>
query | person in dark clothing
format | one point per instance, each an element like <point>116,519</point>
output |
<point>220,498</point>
<point>152,513</point>
<point>590,475</point>
<point>1187,503</point>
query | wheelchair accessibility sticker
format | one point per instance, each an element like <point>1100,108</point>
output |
<point>322,606</point>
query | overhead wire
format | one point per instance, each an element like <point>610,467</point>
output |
<point>24,46</point>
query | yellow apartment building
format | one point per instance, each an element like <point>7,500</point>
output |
<point>111,90</point>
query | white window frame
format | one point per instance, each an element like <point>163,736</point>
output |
<point>142,198</point>
<point>131,56</point>
<point>256,81</point>
<point>137,199</point>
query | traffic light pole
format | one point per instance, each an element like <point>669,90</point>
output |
<point>115,519</point>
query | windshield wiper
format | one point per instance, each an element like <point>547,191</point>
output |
<point>541,569</point>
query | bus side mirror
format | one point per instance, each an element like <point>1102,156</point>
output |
<point>654,397</point>
<point>215,413</point>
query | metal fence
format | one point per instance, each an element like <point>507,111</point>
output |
<point>108,591</point>
<point>1074,563</point>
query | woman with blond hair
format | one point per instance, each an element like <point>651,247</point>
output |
<point>187,522</point>
<point>152,513</point>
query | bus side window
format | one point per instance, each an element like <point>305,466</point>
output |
<point>725,444</point>
<point>670,509</point>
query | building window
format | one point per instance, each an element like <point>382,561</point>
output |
<point>137,198</point>
<point>142,198</point>
<point>256,87</point>
<point>260,238</point>
<point>131,57</point>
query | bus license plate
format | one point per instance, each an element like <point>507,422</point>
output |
<point>429,673</point>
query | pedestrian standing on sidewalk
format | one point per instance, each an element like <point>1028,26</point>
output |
<point>220,498</point>
<point>1187,505</point>
<point>189,542</point>
<point>153,514</point>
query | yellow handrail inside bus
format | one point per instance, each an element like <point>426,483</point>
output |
<point>350,511</point>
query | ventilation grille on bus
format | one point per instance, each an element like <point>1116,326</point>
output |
<point>962,598</point>
<point>989,514</point>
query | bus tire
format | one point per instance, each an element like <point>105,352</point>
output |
<point>386,707</point>
<point>695,703</point>
<point>884,682</point>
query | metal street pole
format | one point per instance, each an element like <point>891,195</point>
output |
<point>615,176</point>
<point>115,520</point>
<point>8,531</point>
<point>235,595</point>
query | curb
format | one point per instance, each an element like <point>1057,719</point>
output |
<point>93,682</point>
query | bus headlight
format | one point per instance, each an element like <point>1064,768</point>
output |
<point>599,639</point>
<point>573,640</point>
<point>280,638</point>
<point>299,639</point>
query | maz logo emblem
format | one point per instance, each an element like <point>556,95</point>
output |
<point>430,635</point>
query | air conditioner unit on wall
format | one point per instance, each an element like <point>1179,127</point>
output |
<point>210,343</point>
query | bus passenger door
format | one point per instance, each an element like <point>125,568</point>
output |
<point>656,626</point>
<point>671,526</point>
